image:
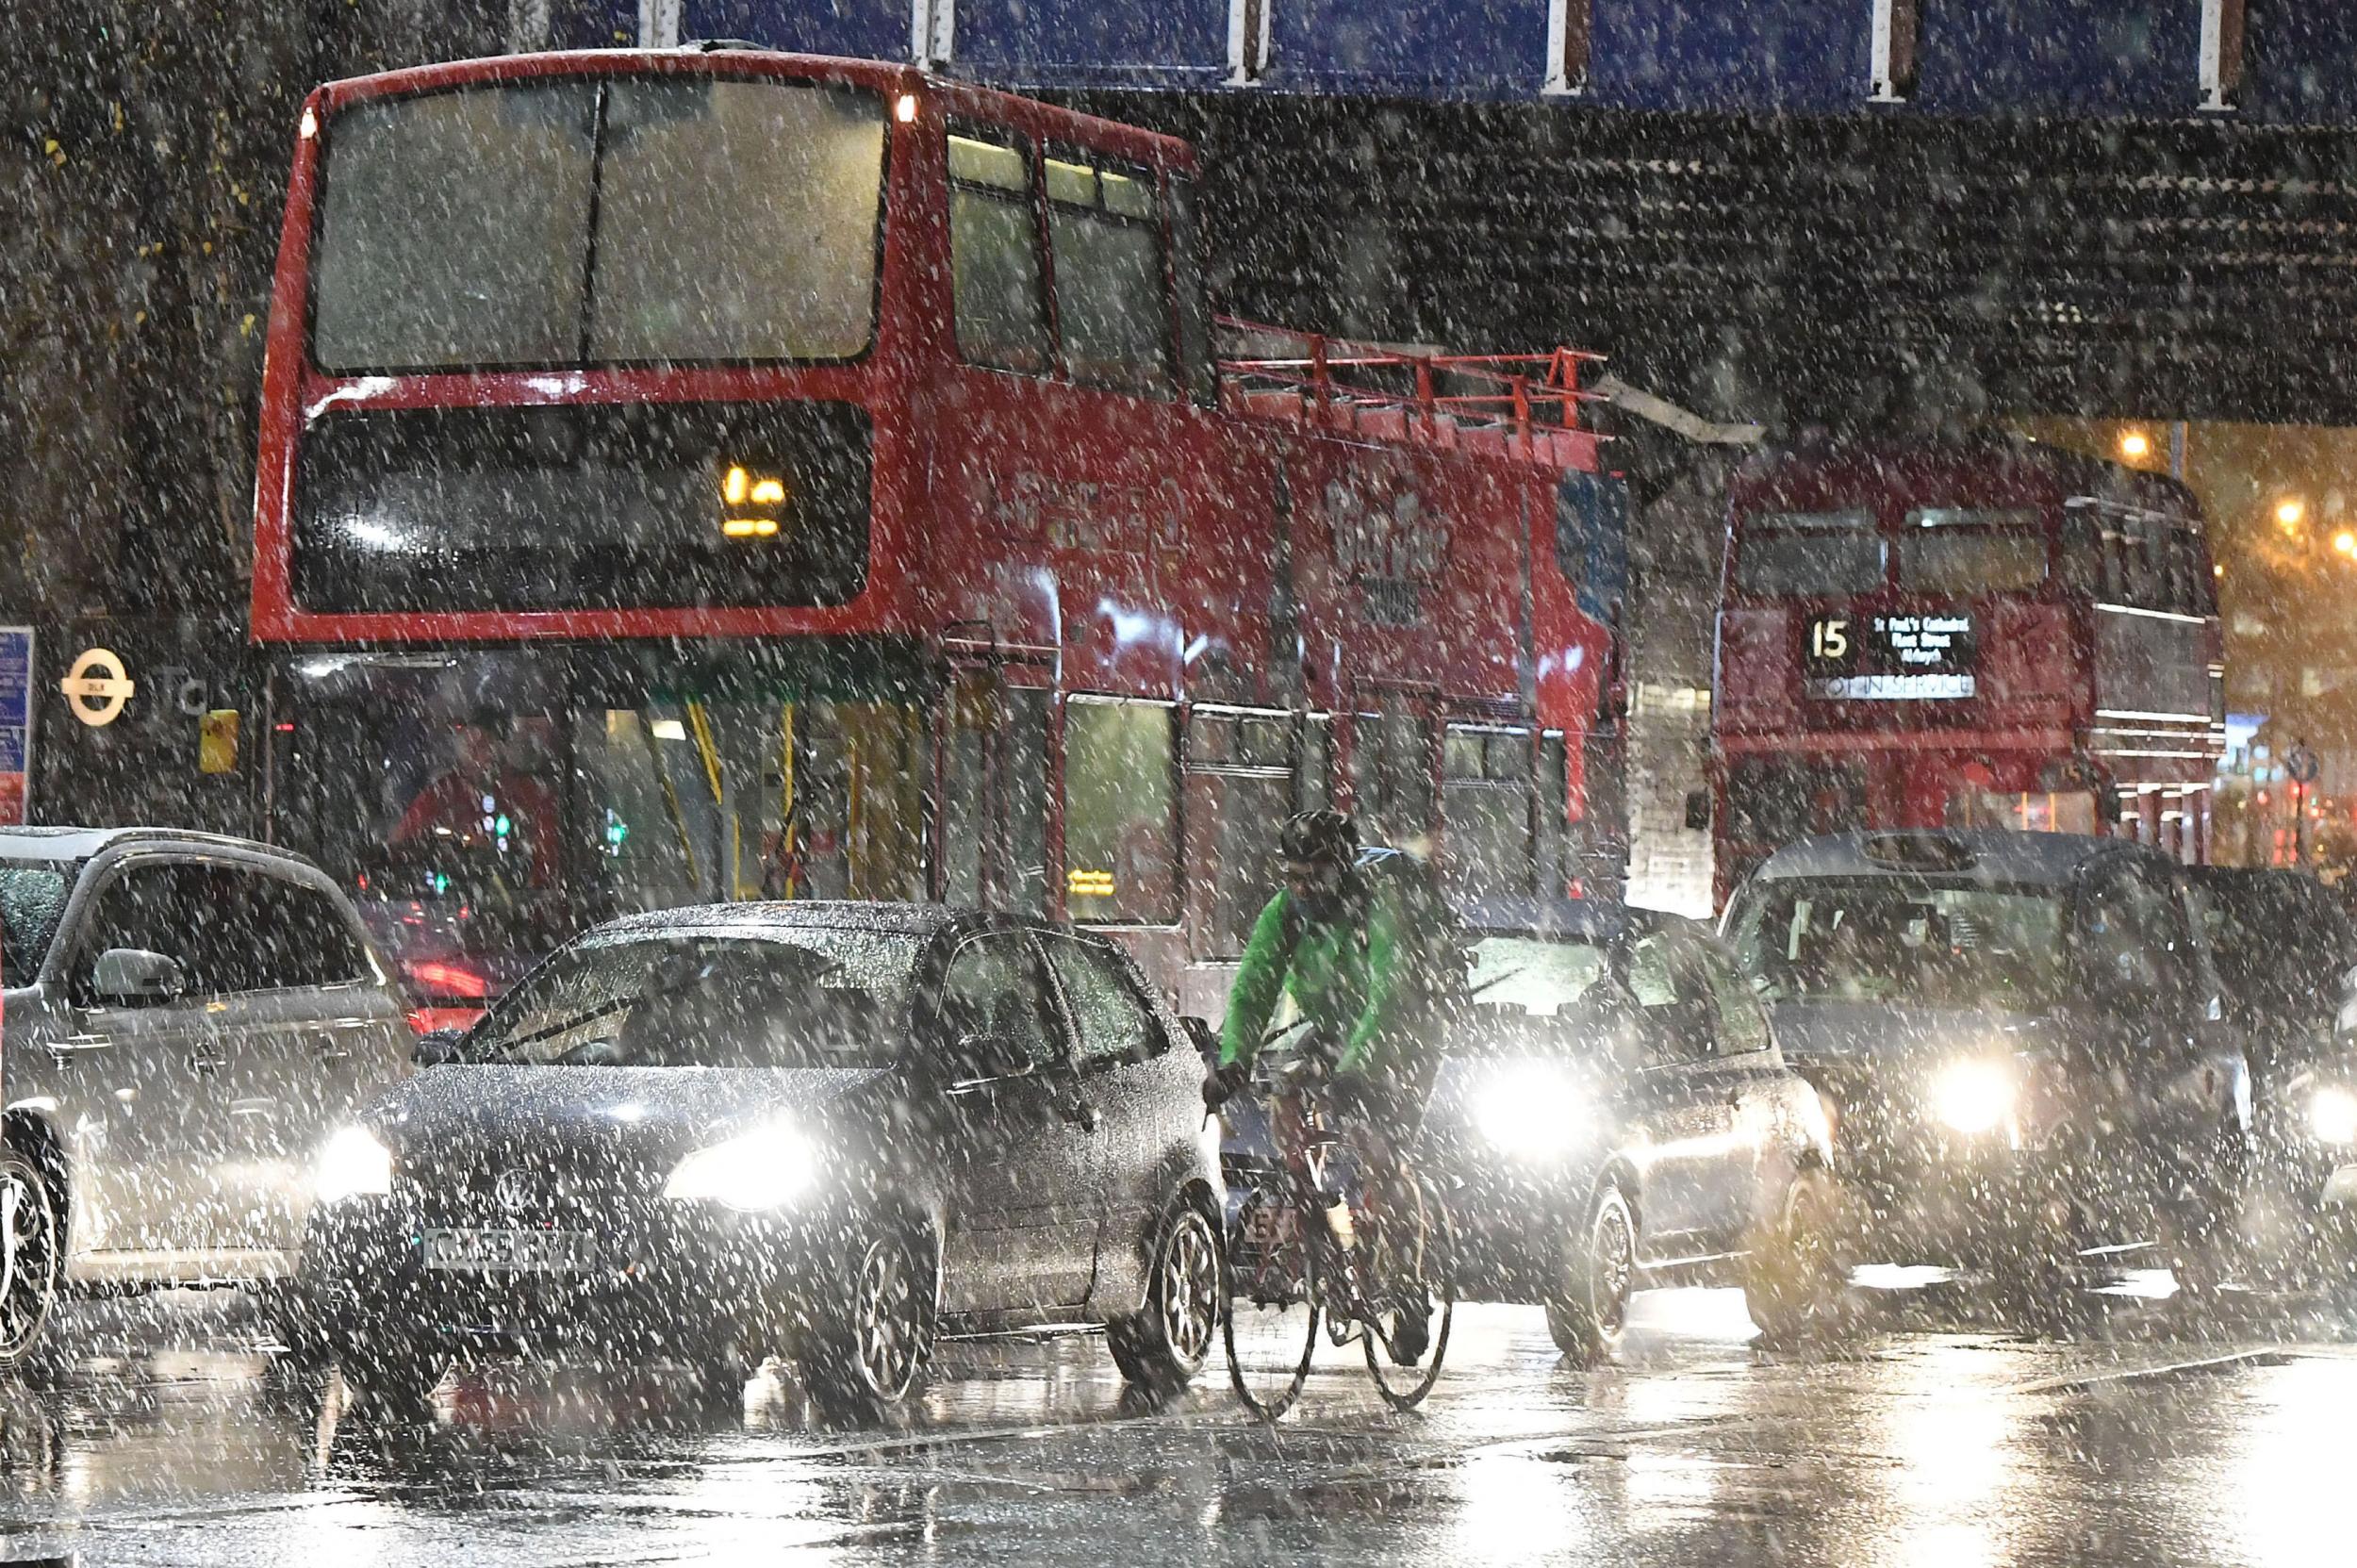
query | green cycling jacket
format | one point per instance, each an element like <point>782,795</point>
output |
<point>1362,994</point>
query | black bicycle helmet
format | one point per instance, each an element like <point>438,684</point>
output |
<point>1320,835</point>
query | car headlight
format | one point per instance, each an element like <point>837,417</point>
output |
<point>354,1165</point>
<point>1530,1111</point>
<point>763,1169</point>
<point>1974,1097</point>
<point>2332,1116</point>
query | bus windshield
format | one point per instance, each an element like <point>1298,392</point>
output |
<point>588,220</point>
<point>1903,939</point>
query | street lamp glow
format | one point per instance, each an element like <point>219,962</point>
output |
<point>2135,445</point>
<point>2344,543</point>
<point>2289,510</point>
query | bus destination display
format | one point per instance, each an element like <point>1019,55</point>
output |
<point>1889,658</point>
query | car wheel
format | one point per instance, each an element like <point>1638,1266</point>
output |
<point>1595,1274</point>
<point>868,1360</point>
<point>30,1262</point>
<point>1161,1348</point>
<point>1796,1279</point>
<point>718,1378</point>
<point>393,1377</point>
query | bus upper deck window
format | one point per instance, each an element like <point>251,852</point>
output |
<point>996,283</point>
<point>1112,296</point>
<point>1966,550</point>
<point>1810,553</point>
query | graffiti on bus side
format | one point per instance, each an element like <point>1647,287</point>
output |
<point>1079,514</point>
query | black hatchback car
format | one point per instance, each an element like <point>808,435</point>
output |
<point>2023,1041</point>
<point>829,1132</point>
<point>2287,952</point>
<point>1613,1115</point>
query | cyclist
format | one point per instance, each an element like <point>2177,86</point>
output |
<point>1343,944</point>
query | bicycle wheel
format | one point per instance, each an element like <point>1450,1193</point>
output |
<point>1414,1264</point>
<point>1272,1319</point>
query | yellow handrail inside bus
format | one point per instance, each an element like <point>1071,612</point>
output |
<point>788,828</point>
<point>671,798</point>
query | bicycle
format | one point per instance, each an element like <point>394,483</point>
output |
<point>1287,1269</point>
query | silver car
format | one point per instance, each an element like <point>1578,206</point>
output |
<point>185,1018</point>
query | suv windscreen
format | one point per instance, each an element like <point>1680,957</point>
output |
<point>1904,939</point>
<point>810,997</point>
<point>1534,976</point>
<point>32,897</point>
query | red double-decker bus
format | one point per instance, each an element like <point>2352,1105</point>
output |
<point>717,475</point>
<point>1983,632</point>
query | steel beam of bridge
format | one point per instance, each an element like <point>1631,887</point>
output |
<point>1818,209</point>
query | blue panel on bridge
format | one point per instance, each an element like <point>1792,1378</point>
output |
<point>2069,57</point>
<point>2299,67</point>
<point>593,24</point>
<point>1181,44</point>
<point>1422,48</point>
<point>1803,56</point>
<point>863,29</point>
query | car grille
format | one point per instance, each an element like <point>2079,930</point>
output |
<point>537,1188</point>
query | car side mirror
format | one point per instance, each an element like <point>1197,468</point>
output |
<point>438,1048</point>
<point>1201,1035</point>
<point>134,977</point>
<point>1698,810</point>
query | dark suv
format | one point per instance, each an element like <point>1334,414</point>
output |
<point>2024,1043</point>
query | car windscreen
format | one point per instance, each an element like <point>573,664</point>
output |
<point>599,221</point>
<point>32,897</point>
<point>1928,942</point>
<point>812,997</point>
<point>1537,977</point>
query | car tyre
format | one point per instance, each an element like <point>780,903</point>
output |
<point>393,1378</point>
<point>32,1260</point>
<point>1796,1278</point>
<point>867,1360</point>
<point>1160,1349</point>
<point>1594,1276</point>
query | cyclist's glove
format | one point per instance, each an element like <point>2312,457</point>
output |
<point>1224,1083</point>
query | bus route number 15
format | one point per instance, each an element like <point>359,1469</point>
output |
<point>1831,642</point>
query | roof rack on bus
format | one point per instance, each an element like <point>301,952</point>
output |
<point>1515,405</point>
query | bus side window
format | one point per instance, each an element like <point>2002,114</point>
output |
<point>996,284</point>
<point>1195,362</point>
<point>1113,298</point>
<point>2083,554</point>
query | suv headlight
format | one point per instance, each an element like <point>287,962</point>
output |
<point>354,1165</point>
<point>766,1168</point>
<point>2332,1115</point>
<point>1974,1097</point>
<point>1530,1111</point>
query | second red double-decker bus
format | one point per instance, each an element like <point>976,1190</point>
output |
<point>1981,632</point>
<point>705,475</point>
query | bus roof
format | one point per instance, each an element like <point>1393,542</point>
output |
<point>1167,152</point>
<point>1892,456</point>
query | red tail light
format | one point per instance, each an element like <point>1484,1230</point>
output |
<point>449,980</point>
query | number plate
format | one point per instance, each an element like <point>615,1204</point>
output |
<point>509,1251</point>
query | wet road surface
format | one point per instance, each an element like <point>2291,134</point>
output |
<point>2145,1442</point>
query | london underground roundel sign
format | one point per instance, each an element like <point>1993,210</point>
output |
<point>97,687</point>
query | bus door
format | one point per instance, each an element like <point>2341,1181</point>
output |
<point>740,796</point>
<point>993,762</point>
<point>1394,765</point>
